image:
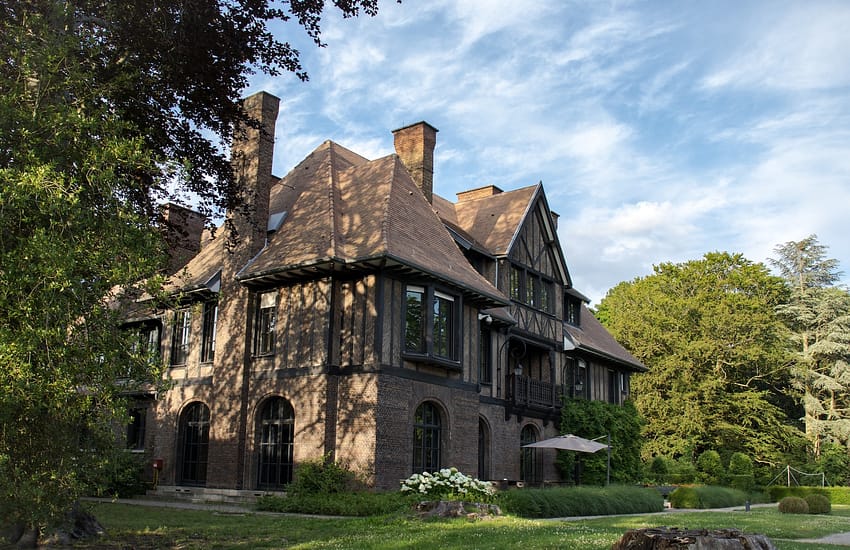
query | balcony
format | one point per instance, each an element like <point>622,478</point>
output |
<point>524,391</point>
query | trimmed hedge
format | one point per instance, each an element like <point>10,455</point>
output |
<point>793,505</point>
<point>340,504</point>
<point>818,504</point>
<point>836,495</point>
<point>707,496</point>
<point>580,501</point>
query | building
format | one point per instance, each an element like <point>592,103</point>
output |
<point>364,317</point>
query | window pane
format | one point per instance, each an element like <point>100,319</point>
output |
<point>426,438</point>
<point>180,337</point>
<point>532,283</point>
<point>208,335</point>
<point>443,326</point>
<point>414,330</point>
<point>516,284</point>
<point>545,303</point>
<point>485,375</point>
<point>265,324</point>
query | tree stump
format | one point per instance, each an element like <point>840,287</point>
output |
<point>457,509</point>
<point>665,538</point>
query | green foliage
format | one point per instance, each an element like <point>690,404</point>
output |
<point>580,501</point>
<point>448,483</point>
<point>818,318</point>
<point>836,495</point>
<point>710,467</point>
<point>818,504</point>
<point>708,332</point>
<point>834,462</point>
<point>707,496</point>
<point>590,419</point>
<point>658,469</point>
<point>741,473</point>
<point>793,505</point>
<point>321,476</point>
<point>106,109</point>
<point>356,503</point>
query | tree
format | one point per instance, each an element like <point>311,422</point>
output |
<point>591,419</point>
<point>104,108</point>
<point>708,332</point>
<point>818,317</point>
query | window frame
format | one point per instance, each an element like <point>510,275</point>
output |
<point>427,438</point>
<point>432,328</point>
<point>181,337</point>
<point>531,288</point>
<point>265,321</point>
<point>208,331</point>
<point>485,354</point>
<point>572,311</point>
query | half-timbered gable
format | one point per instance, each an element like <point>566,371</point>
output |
<point>358,314</point>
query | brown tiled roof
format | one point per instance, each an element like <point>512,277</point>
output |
<point>594,338</point>
<point>346,210</point>
<point>492,221</point>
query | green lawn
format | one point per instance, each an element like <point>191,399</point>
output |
<point>142,527</point>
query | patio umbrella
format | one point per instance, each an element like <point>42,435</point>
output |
<point>572,442</point>
<point>569,442</point>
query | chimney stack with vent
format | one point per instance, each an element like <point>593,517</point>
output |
<point>414,145</point>
<point>251,156</point>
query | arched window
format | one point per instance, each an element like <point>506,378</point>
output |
<point>194,437</point>
<point>275,433</point>
<point>427,427</point>
<point>528,456</point>
<point>483,450</point>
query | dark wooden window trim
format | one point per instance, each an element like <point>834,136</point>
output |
<point>181,337</point>
<point>532,288</point>
<point>208,330</point>
<point>422,326</point>
<point>265,321</point>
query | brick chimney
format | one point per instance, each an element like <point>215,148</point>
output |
<point>251,157</point>
<point>478,193</point>
<point>182,229</point>
<point>414,145</point>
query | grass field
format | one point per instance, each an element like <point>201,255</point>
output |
<point>142,527</point>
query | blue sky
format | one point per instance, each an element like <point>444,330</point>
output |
<point>660,130</point>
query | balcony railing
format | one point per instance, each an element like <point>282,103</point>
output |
<point>530,392</point>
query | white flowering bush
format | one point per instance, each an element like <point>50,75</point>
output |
<point>448,484</point>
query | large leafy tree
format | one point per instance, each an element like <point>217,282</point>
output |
<point>106,109</point>
<point>818,316</point>
<point>708,332</point>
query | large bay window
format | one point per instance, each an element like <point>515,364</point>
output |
<point>431,323</point>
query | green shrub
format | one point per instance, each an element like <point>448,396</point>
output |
<point>450,484</point>
<point>659,469</point>
<point>741,472</point>
<point>836,495</point>
<point>707,496</point>
<point>580,501</point>
<point>710,468</point>
<point>321,476</point>
<point>793,505</point>
<point>818,504</point>
<point>340,504</point>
